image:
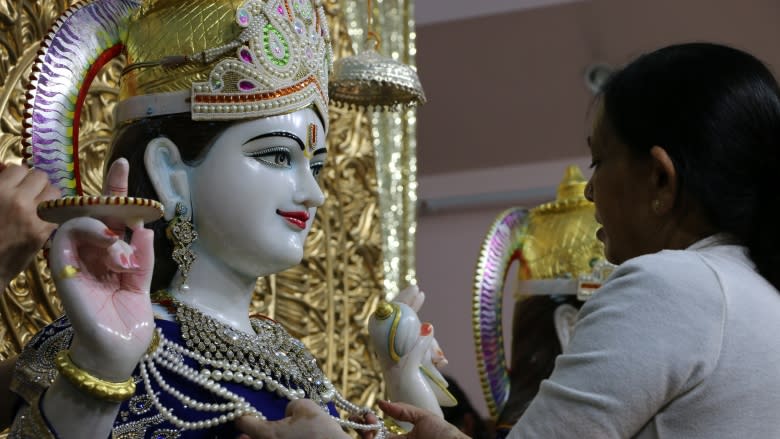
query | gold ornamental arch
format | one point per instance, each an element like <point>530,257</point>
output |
<point>326,300</point>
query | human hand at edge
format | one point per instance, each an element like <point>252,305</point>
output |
<point>368,418</point>
<point>22,232</point>
<point>303,418</point>
<point>426,424</point>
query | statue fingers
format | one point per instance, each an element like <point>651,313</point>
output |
<point>73,237</point>
<point>115,185</point>
<point>142,260</point>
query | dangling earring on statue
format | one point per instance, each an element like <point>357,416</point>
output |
<point>182,233</point>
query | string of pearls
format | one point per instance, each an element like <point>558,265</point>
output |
<point>168,356</point>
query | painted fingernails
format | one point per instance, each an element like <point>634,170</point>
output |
<point>134,261</point>
<point>122,257</point>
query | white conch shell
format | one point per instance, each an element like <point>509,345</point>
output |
<point>409,354</point>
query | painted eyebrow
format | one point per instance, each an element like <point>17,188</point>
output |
<point>279,134</point>
<point>319,151</point>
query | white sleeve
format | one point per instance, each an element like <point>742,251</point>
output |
<point>652,332</point>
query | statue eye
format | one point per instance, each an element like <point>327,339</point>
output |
<point>282,158</point>
<point>316,169</point>
<point>277,156</point>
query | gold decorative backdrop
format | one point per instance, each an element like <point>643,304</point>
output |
<point>394,138</point>
<point>327,299</point>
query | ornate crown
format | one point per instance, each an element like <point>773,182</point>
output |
<point>277,63</point>
<point>217,59</point>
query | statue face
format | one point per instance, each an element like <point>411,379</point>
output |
<point>255,194</point>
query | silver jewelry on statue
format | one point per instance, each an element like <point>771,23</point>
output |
<point>270,359</point>
<point>182,233</point>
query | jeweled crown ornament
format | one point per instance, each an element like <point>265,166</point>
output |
<point>217,60</point>
<point>559,254</point>
<point>271,57</point>
<point>370,80</point>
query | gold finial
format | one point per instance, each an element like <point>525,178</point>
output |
<point>384,310</point>
<point>561,237</point>
<point>572,186</point>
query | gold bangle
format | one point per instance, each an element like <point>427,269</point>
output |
<point>87,383</point>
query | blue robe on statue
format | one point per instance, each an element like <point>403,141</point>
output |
<point>138,417</point>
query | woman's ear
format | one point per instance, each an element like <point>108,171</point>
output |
<point>564,318</point>
<point>168,174</point>
<point>664,180</point>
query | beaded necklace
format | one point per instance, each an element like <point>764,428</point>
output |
<point>271,359</point>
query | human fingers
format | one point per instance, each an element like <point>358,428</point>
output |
<point>253,427</point>
<point>33,183</point>
<point>12,175</point>
<point>401,411</point>
<point>369,418</point>
<point>301,407</point>
<point>49,192</point>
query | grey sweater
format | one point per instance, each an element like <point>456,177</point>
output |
<point>677,344</point>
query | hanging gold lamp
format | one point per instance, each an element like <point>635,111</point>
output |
<point>371,80</point>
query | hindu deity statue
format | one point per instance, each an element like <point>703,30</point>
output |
<point>561,264</point>
<point>220,138</point>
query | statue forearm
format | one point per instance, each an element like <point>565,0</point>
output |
<point>74,414</point>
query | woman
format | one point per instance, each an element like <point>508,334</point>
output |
<point>680,342</point>
<point>222,117</point>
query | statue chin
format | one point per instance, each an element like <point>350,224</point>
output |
<point>409,354</point>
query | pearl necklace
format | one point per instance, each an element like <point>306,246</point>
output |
<point>270,359</point>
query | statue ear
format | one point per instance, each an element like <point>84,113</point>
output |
<point>564,318</point>
<point>168,174</point>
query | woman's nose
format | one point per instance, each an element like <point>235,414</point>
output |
<point>589,191</point>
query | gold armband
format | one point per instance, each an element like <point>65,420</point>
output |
<point>87,383</point>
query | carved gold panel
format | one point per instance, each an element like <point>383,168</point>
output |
<point>326,300</point>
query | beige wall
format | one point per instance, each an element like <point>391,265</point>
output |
<point>508,109</point>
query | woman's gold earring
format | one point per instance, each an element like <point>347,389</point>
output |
<point>182,233</point>
<point>657,206</point>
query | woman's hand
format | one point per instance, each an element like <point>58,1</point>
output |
<point>303,418</point>
<point>104,285</point>
<point>22,233</point>
<point>369,419</point>
<point>426,424</point>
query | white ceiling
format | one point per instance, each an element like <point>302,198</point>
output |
<point>437,11</point>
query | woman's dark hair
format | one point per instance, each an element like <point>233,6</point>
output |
<point>457,415</point>
<point>193,139</point>
<point>716,112</point>
<point>535,347</point>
